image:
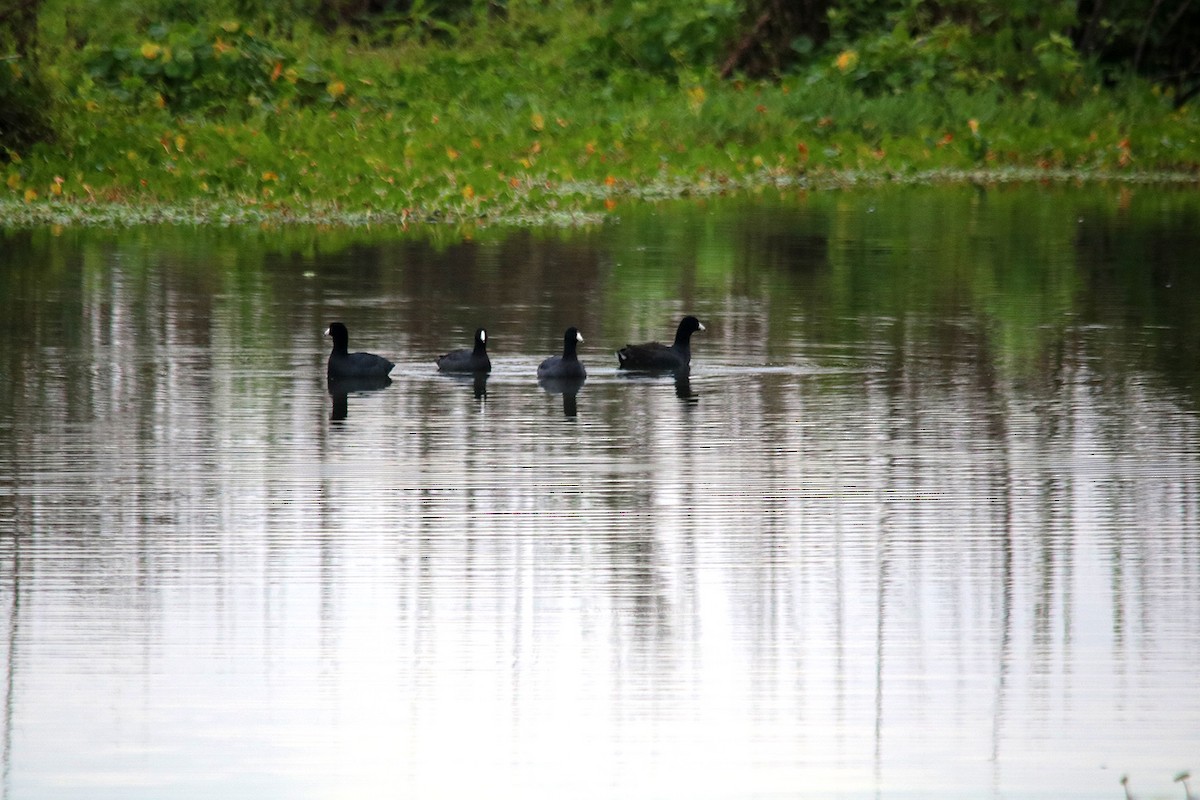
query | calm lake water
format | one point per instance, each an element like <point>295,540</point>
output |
<point>924,522</point>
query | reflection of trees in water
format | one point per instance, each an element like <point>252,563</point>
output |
<point>12,581</point>
<point>926,508</point>
<point>1143,285</point>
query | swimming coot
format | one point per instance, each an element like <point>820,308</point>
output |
<point>658,356</point>
<point>468,360</point>
<point>344,364</point>
<point>568,364</point>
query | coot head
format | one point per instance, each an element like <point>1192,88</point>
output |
<point>341,337</point>
<point>687,326</point>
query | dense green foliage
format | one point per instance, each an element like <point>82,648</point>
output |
<point>469,109</point>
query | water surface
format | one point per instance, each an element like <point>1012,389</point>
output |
<point>924,520</point>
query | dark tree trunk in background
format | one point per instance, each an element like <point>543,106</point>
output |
<point>18,26</point>
<point>777,33</point>
<point>23,106</point>
<point>1157,39</point>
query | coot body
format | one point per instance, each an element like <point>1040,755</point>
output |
<point>568,364</point>
<point>344,364</point>
<point>655,356</point>
<point>464,360</point>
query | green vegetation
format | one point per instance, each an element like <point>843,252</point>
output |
<point>368,110</point>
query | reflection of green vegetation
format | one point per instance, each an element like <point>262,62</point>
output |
<point>1016,271</point>
<point>1010,264</point>
<point>1001,254</point>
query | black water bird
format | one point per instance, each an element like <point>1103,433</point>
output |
<point>464,360</point>
<point>344,364</point>
<point>655,356</point>
<point>568,364</point>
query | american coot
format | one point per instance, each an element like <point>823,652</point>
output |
<point>468,360</point>
<point>658,356</point>
<point>568,364</point>
<point>343,364</point>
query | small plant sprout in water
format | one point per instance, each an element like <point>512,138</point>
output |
<point>1187,790</point>
<point>1125,786</point>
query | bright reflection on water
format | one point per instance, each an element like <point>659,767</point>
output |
<point>924,521</point>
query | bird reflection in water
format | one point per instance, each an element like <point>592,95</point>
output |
<point>682,378</point>
<point>477,380</point>
<point>568,388</point>
<point>683,389</point>
<point>341,388</point>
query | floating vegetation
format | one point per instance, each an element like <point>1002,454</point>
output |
<point>567,205</point>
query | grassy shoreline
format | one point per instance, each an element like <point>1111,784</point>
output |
<point>252,130</point>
